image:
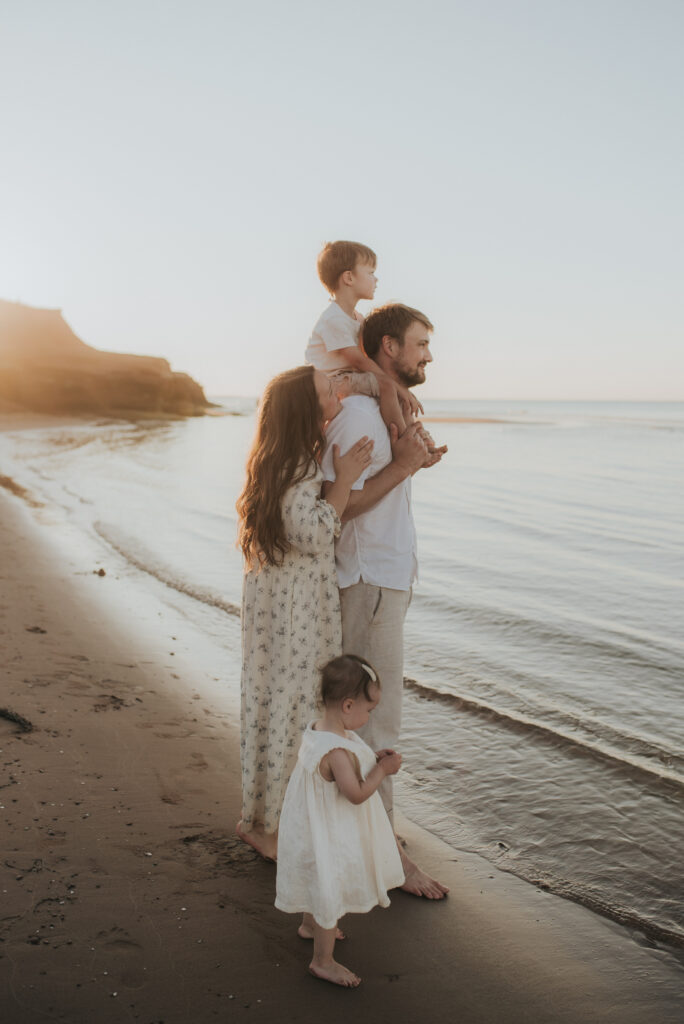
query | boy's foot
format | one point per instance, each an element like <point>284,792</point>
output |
<point>306,932</point>
<point>335,973</point>
<point>417,882</point>
<point>265,843</point>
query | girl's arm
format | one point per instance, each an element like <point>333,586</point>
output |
<point>358,790</point>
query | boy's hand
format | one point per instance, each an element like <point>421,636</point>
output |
<point>434,454</point>
<point>410,406</point>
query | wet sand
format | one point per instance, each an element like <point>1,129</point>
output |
<point>125,894</point>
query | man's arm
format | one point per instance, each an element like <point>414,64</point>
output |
<point>408,455</point>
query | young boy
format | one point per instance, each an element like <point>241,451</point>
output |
<point>347,269</point>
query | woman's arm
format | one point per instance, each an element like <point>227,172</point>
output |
<point>348,468</point>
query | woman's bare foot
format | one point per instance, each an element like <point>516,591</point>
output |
<point>335,973</point>
<point>265,843</point>
<point>417,882</point>
<point>306,932</point>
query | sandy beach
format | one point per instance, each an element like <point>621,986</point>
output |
<point>127,897</point>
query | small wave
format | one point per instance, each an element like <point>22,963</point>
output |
<point>11,485</point>
<point>639,756</point>
<point>142,559</point>
<point>610,639</point>
<point>430,814</point>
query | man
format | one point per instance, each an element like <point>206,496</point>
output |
<point>376,551</point>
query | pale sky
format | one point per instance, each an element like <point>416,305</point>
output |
<point>170,169</point>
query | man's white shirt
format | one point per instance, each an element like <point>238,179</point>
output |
<point>378,546</point>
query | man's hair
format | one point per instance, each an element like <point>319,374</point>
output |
<point>336,257</point>
<point>393,319</point>
<point>347,676</point>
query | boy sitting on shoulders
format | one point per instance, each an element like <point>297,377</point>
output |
<point>347,269</point>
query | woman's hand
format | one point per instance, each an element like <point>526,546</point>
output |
<point>349,467</point>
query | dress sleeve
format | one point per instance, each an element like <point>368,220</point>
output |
<point>311,524</point>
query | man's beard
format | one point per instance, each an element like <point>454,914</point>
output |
<point>409,378</point>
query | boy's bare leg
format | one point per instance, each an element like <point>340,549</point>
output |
<point>323,964</point>
<point>417,882</point>
<point>265,843</point>
<point>306,929</point>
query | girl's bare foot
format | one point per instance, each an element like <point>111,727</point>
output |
<point>265,843</point>
<point>335,973</point>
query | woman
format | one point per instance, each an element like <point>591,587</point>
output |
<point>290,601</point>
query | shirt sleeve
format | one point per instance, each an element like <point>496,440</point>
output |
<point>345,430</point>
<point>311,524</point>
<point>336,334</point>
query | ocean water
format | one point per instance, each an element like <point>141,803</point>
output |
<point>544,706</point>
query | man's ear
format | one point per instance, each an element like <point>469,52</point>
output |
<point>388,344</point>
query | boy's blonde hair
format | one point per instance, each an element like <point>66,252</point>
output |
<point>336,257</point>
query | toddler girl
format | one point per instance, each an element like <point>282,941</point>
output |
<point>336,849</point>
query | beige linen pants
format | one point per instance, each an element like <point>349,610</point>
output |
<point>373,628</point>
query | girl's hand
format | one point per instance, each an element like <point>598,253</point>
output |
<point>391,763</point>
<point>385,752</point>
<point>349,467</point>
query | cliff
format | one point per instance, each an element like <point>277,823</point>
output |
<point>45,367</point>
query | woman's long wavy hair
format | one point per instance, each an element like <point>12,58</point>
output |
<point>288,443</point>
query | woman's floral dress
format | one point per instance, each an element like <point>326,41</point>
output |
<point>290,628</point>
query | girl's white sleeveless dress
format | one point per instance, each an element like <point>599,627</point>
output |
<point>334,857</point>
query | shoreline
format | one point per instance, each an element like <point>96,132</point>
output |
<point>121,872</point>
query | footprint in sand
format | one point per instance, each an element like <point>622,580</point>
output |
<point>127,967</point>
<point>117,938</point>
<point>109,702</point>
<point>220,851</point>
<point>199,763</point>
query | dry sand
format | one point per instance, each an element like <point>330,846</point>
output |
<point>125,895</point>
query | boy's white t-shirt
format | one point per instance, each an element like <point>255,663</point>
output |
<point>334,330</point>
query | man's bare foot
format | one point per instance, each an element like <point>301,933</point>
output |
<point>335,973</point>
<point>417,882</point>
<point>265,843</point>
<point>305,931</point>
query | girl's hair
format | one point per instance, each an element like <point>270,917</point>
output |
<point>288,443</point>
<point>347,676</point>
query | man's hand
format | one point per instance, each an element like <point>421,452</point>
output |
<point>409,451</point>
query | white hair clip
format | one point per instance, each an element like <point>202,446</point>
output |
<point>370,672</point>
